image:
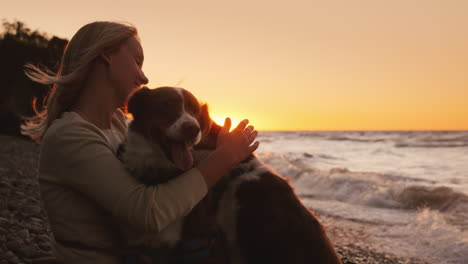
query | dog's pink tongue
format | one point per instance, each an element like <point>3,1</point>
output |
<point>182,157</point>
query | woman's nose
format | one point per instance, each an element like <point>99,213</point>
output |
<point>143,78</point>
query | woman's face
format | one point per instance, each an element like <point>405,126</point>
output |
<point>125,68</point>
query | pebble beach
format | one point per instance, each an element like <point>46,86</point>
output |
<point>26,237</point>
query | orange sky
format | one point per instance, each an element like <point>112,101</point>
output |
<point>295,65</point>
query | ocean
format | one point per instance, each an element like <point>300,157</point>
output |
<point>398,192</point>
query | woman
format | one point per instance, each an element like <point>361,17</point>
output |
<point>83,185</point>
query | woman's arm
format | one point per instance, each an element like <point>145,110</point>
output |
<point>80,158</point>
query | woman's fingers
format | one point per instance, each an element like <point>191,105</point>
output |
<point>248,131</point>
<point>242,132</point>
<point>254,146</point>
<point>252,137</point>
<point>242,125</point>
<point>227,125</point>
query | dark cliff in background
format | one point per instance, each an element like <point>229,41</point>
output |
<point>20,45</point>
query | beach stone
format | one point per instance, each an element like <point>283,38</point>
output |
<point>32,209</point>
<point>45,246</point>
<point>19,193</point>
<point>35,219</point>
<point>14,245</point>
<point>3,262</point>
<point>7,255</point>
<point>4,221</point>
<point>43,238</point>
<point>14,260</point>
<point>29,251</point>
<point>35,200</point>
<point>35,227</point>
<point>44,260</point>
<point>5,185</point>
<point>4,193</point>
<point>13,205</point>
<point>23,234</point>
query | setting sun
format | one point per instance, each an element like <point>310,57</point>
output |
<point>219,119</point>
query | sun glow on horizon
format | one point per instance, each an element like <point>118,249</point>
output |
<point>220,118</point>
<point>376,65</point>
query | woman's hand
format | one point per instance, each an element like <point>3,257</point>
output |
<point>232,148</point>
<point>237,144</point>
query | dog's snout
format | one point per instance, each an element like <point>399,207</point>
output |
<point>190,129</point>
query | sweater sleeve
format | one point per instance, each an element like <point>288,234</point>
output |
<point>80,158</point>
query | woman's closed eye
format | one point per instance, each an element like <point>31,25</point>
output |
<point>139,61</point>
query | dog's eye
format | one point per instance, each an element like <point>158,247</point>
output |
<point>192,107</point>
<point>165,106</point>
<point>193,110</point>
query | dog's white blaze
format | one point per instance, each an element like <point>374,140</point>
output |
<point>173,130</point>
<point>226,216</point>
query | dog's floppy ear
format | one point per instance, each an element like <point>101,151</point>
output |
<point>138,102</point>
<point>205,120</point>
<point>209,137</point>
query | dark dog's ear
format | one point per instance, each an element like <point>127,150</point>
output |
<point>205,120</point>
<point>138,102</point>
<point>210,138</point>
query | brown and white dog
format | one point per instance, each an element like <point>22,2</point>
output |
<point>256,209</point>
<point>262,218</point>
<point>167,123</point>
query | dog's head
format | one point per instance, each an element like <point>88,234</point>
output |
<point>172,117</point>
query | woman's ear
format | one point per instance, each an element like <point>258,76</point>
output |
<point>105,57</point>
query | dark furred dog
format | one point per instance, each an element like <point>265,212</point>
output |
<point>257,211</point>
<point>167,123</point>
<point>262,218</point>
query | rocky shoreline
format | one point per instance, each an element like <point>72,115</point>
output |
<point>25,235</point>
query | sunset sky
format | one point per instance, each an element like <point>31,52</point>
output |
<point>296,64</point>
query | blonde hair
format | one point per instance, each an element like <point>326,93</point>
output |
<point>87,44</point>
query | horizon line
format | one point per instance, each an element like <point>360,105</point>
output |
<point>362,130</point>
